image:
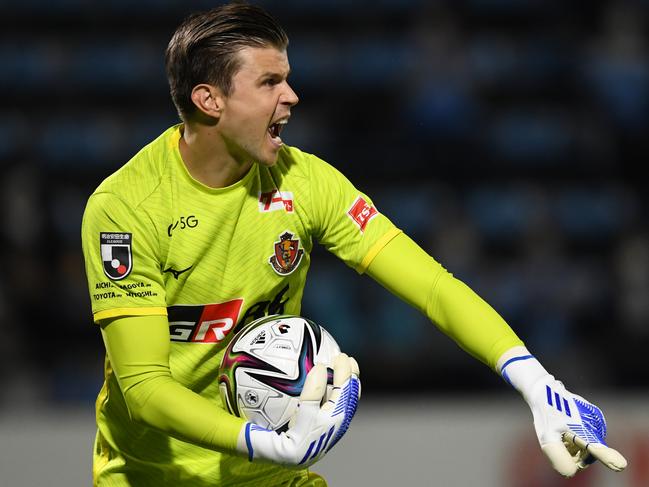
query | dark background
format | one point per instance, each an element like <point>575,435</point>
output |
<point>506,137</point>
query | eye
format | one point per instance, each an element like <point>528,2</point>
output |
<point>272,81</point>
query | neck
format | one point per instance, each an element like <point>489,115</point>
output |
<point>207,158</point>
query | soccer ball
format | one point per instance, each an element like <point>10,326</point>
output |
<point>265,365</point>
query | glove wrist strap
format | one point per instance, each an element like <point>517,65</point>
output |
<point>244,443</point>
<point>521,370</point>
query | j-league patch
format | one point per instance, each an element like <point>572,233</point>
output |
<point>116,254</point>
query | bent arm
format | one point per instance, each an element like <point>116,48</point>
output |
<point>407,271</point>
<point>138,350</point>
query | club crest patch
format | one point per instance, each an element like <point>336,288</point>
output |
<point>288,254</point>
<point>116,254</point>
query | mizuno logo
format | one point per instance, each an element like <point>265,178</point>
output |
<point>176,273</point>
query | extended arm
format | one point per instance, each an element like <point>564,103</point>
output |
<point>409,272</point>
<point>570,430</point>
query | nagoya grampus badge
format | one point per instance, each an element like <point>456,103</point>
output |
<point>116,254</point>
<point>288,254</point>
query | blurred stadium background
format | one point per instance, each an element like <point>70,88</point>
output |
<point>506,137</point>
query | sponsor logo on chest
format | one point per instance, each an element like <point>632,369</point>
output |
<point>208,323</point>
<point>215,322</point>
<point>274,200</point>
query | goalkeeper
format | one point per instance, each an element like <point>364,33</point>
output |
<point>210,226</point>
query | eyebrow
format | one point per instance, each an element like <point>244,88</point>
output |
<point>273,74</point>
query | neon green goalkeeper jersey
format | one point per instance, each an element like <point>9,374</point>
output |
<point>156,241</point>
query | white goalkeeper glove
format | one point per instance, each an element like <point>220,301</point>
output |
<point>314,429</point>
<point>571,431</point>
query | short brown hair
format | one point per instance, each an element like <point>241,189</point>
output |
<point>204,49</point>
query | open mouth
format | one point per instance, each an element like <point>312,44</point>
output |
<point>275,131</point>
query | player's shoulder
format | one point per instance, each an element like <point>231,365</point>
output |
<point>136,180</point>
<point>298,163</point>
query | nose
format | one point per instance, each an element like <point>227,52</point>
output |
<point>289,97</point>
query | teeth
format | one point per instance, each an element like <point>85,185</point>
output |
<point>275,129</point>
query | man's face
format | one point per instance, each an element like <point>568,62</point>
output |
<point>258,106</point>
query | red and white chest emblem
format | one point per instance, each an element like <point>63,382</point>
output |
<point>287,255</point>
<point>361,213</point>
<point>275,200</point>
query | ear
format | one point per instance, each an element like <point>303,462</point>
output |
<point>208,99</point>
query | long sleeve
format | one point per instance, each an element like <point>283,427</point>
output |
<point>407,271</point>
<point>138,350</point>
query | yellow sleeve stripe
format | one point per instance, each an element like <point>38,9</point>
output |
<point>115,312</point>
<point>376,248</point>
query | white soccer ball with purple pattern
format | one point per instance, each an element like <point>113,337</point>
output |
<point>265,365</point>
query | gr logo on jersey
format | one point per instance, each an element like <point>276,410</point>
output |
<point>205,323</point>
<point>287,255</point>
<point>213,323</point>
<point>116,254</point>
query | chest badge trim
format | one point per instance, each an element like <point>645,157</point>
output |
<point>287,255</point>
